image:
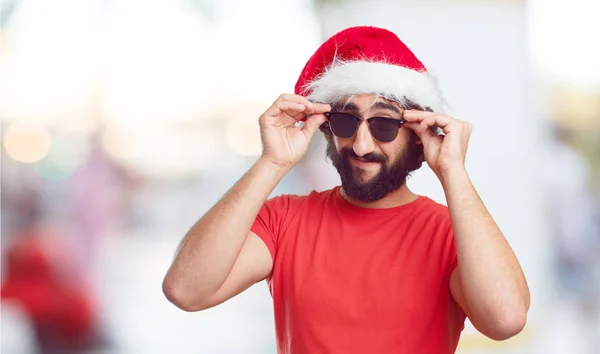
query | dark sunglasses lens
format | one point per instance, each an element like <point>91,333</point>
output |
<point>343,125</point>
<point>384,129</point>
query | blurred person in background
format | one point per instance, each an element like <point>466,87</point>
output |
<point>368,266</point>
<point>573,218</point>
<point>41,278</point>
<point>100,194</point>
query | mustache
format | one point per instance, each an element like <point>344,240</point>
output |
<point>347,153</point>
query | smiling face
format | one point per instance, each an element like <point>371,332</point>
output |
<point>369,169</point>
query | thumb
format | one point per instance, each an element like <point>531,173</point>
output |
<point>425,135</point>
<point>312,124</point>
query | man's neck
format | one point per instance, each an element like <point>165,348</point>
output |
<point>396,198</point>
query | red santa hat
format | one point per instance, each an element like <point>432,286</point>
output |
<point>362,60</point>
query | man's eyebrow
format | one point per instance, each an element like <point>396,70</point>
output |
<point>385,106</point>
<point>349,106</point>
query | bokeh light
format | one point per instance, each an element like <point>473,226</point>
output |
<point>564,40</point>
<point>242,133</point>
<point>48,63</point>
<point>66,155</point>
<point>27,142</point>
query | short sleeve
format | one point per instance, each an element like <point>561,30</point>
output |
<point>272,220</point>
<point>451,264</point>
<point>449,252</point>
<point>451,248</point>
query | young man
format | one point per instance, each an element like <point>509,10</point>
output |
<point>368,266</point>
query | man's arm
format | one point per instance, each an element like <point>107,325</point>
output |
<point>488,284</point>
<point>220,239</point>
<point>219,257</point>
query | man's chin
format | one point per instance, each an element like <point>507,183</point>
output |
<point>363,177</point>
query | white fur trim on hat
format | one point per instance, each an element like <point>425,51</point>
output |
<point>392,82</point>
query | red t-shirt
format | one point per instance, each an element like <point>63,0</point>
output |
<point>353,280</point>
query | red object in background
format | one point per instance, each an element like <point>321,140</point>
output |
<point>60,306</point>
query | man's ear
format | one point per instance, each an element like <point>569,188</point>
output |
<point>416,138</point>
<point>419,144</point>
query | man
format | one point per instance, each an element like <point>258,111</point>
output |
<point>367,267</point>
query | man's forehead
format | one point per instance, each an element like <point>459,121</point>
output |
<point>366,102</point>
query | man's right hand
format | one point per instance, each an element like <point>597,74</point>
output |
<point>284,144</point>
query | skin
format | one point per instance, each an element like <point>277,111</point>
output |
<point>219,257</point>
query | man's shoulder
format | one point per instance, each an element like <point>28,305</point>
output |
<point>321,195</point>
<point>436,210</point>
<point>313,197</point>
<point>433,204</point>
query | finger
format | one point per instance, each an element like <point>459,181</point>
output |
<point>293,97</point>
<point>424,134</point>
<point>297,99</point>
<point>286,112</point>
<point>318,108</point>
<point>312,124</point>
<point>321,108</point>
<point>419,116</point>
<point>311,107</point>
<point>430,141</point>
<point>426,123</point>
<point>415,114</point>
<point>428,119</point>
<point>292,108</point>
<point>412,126</point>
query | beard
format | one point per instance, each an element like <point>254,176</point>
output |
<point>390,177</point>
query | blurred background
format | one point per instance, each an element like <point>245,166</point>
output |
<point>124,121</point>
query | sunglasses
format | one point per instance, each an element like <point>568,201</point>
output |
<point>345,125</point>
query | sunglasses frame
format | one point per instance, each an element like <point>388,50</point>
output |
<point>400,123</point>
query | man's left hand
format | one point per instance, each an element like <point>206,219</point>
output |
<point>444,153</point>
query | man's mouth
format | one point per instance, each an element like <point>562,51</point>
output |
<point>363,162</point>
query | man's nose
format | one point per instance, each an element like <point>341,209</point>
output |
<point>363,141</point>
